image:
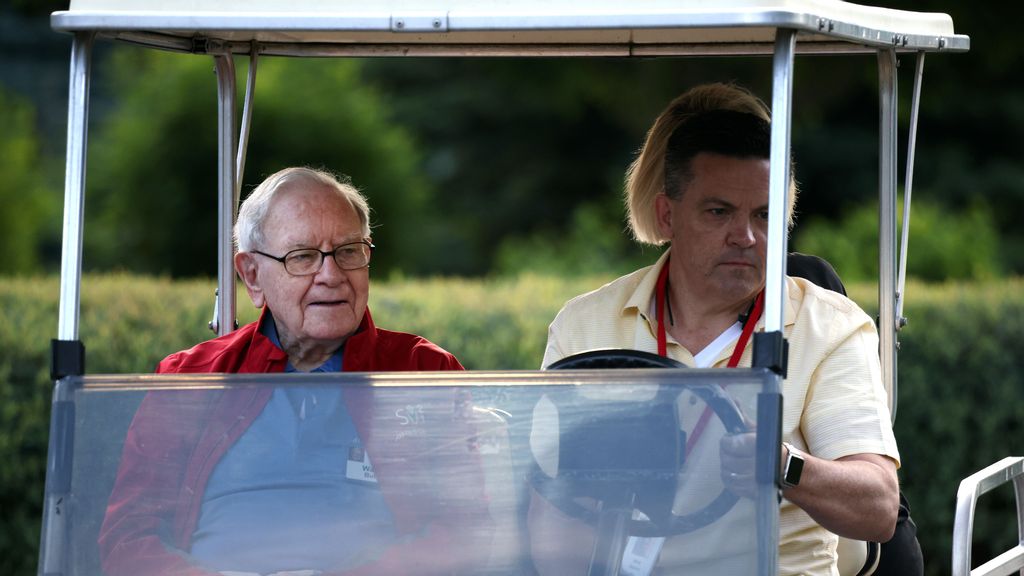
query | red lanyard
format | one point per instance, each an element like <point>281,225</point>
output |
<point>734,360</point>
<point>659,314</point>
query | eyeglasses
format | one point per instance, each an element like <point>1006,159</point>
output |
<point>308,261</point>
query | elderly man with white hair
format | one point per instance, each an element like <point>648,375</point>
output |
<point>298,479</point>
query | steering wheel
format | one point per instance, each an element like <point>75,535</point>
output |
<point>630,452</point>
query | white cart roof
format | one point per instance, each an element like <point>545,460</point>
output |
<point>509,27</point>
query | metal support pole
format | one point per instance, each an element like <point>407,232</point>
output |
<point>775,294</point>
<point>1010,469</point>
<point>224,310</point>
<point>778,189</point>
<point>908,187</point>
<point>887,80</point>
<point>243,138</point>
<point>74,187</point>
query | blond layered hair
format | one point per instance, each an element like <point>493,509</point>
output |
<point>645,178</point>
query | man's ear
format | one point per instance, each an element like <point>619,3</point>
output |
<point>247,268</point>
<point>663,214</point>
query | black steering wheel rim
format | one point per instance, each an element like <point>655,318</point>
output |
<point>559,495</point>
<point>604,358</point>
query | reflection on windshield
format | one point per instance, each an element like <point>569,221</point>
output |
<point>315,476</point>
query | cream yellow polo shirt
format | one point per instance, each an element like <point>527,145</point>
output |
<point>834,404</point>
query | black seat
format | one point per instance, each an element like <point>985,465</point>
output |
<point>901,555</point>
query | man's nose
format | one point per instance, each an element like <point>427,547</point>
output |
<point>330,272</point>
<point>741,233</point>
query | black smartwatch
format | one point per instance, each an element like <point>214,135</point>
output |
<point>794,467</point>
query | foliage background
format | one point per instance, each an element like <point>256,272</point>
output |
<point>496,165</point>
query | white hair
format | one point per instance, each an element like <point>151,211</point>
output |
<point>253,212</point>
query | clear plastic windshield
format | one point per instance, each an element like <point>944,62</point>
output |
<point>558,472</point>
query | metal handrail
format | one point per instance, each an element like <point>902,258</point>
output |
<point>1010,469</point>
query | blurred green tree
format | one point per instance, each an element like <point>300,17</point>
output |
<point>499,148</point>
<point>152,169</point>
<point>595,242</point>
<point>38,7</point>
<point>28,208</point>
<point>943,245</point>
<point>517,145</point>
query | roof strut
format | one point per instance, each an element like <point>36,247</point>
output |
<point>887,155</point>
<point>230,185</point>
<point>243,138</point>
<point>908,182</point>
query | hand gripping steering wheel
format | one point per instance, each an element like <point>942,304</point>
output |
<point>629,452</point>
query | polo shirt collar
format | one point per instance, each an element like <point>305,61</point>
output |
<point>640,300</point>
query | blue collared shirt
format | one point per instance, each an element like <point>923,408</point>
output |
<point>283,497</point>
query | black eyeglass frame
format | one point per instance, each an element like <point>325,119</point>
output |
<point>323,255</point>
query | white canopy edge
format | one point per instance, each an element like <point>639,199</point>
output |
<point>638,27</point>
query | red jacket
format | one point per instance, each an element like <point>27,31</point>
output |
<point>177,438</point>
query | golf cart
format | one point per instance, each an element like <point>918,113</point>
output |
<point>615,437</point>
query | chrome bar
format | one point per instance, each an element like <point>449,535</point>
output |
<point>767,503</point>
<point>494,22</point>
<point>536,50</point>
<point>74,186</point>
<point>908,187</point>
<point>56,545</point>
<point>224,321</point>
<point>887,223</point>
<point>778,189</point>
<point>809,45</point>
<point>1010,469</point>
<point>1008,563</point>
<point>243,138</point>
<point>775,273</point>
<point>445,50</point>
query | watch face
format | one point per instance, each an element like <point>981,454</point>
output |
<point>794,469</point>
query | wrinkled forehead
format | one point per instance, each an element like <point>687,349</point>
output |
<point>302,212</point>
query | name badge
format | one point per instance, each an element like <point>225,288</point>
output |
<point>358,468</point>
<point>640,556</point>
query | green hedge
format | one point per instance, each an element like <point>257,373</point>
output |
<point>961,374</point>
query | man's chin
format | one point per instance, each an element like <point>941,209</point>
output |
<point>740,289</point>
<point>335,326</point>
